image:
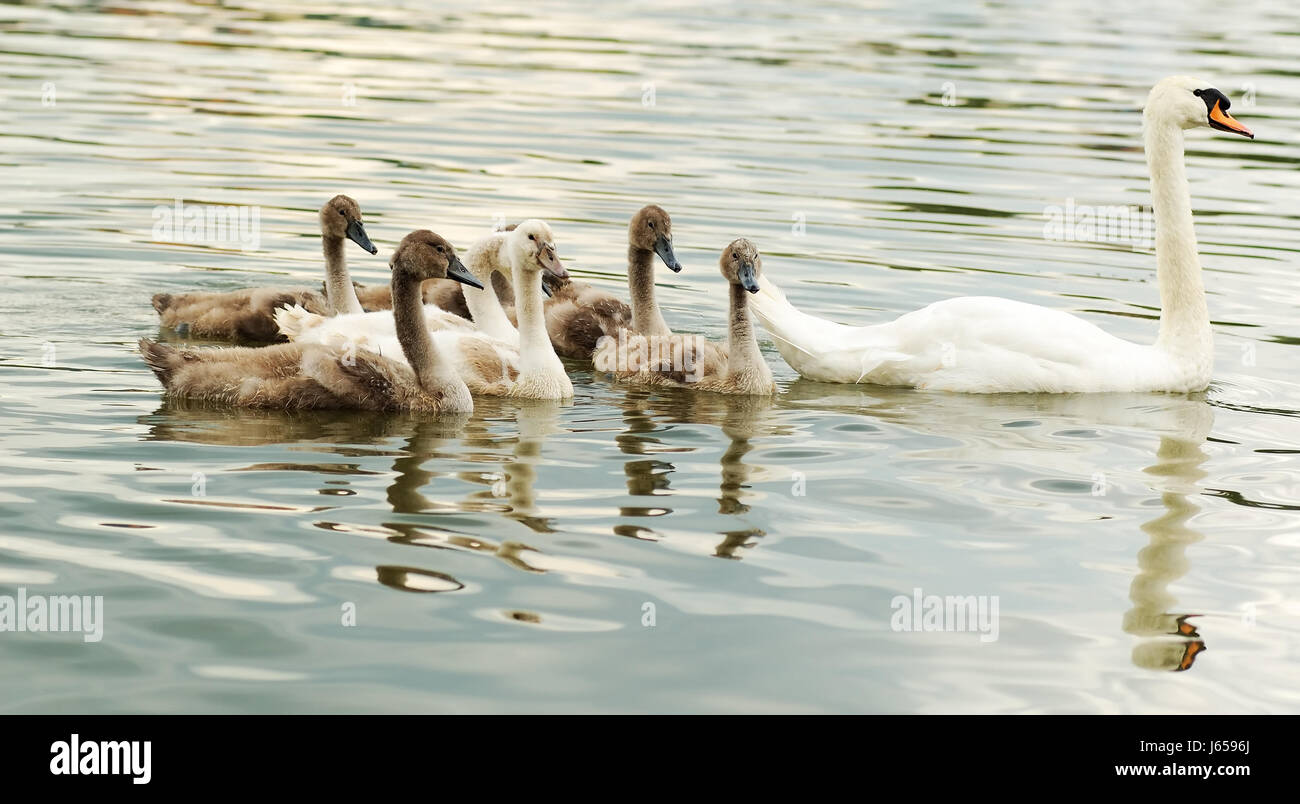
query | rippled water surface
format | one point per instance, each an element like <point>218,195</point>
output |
<point>1144,550</point>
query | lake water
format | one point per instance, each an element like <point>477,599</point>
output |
<point>637,551</point>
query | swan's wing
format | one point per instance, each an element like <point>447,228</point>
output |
<point>362,380</point>
<point>479,359</point>
<point>296,323</point>
<point>487,365</point>
<point>972,343</point>
<point>437,319</point>
<point>987,344</point>
<point>677,359</point>
<point>361,330</point>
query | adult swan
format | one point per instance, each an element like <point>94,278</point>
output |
<point>980,344</point>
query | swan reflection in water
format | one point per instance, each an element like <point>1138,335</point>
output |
<point>1170,640</point>
<point>740,418</point>
<point>509,490</point>
<point>510,437</point>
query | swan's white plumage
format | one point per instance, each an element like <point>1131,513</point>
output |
<point>454,344</point>
<point>362,329</point>
<point>972,344</point>
<point>980,344</point>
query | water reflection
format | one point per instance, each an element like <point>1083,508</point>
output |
<point>510,490</point>
<point>1170,641</point>
<point>197,422</point>
<point>516,482</point>
<point>987,428</point>
<point>430,439</point>
<point>414,579</point>
<point>500,452</point>
<point>741,419</point>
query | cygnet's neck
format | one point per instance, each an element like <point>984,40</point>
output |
<point>433,373</point>
<point>483,303</point>
<point>744,358</point>
<point>339,292</point>
<point>646,317</point>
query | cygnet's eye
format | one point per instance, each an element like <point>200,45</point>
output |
<point>344,214</point>
<point>532,238</point>
<point>651,224</point>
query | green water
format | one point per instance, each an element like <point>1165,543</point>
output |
<point>514,560</point>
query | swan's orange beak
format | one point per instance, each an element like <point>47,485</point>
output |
<point>1225,122</point>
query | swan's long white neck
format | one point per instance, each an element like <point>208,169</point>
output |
<point>646,317</point>
<point>1184,316</point>
<point>484,306</point>
<point>340,293</point>
<point>535,351</point>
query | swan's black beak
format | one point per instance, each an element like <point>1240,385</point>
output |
<point>748,280</point>
<point>357,234</point>
<point>1225,122</point>
<point>460,273</point>
<point>664,248</point>
<point>546,285</point>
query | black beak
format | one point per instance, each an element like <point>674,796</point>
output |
<point>664,248</point>
<point>357,234</point>
<point>458,272</point>
<point>546,285</point>
<point>747,279</point>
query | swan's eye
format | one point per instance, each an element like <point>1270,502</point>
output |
<point>532,238</point>
<point>651,224</point>
<point>1196,92</point>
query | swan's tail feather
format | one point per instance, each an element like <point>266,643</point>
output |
<point>161,301</point>
<point>293,320</point>
<point>161,359</point>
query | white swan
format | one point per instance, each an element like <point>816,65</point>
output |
<point>529,245</point>
<point>375,329</point>
<point>520,364</point>
<point>526,252</point>
<point>989,345</point>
